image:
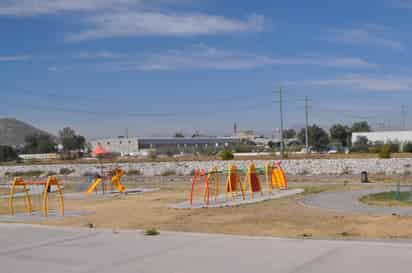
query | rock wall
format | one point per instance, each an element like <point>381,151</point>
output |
<point>295,167</point>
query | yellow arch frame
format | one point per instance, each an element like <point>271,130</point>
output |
<point>51,181</point>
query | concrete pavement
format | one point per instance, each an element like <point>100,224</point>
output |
<point>35,249</point>
<point>224,200</point>
<point>348,201</point>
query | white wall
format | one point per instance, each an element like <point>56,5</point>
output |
<point>387,136</point>
<point>119,145</point>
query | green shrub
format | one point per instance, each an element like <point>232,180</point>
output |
<point>395,147</point>
<point>168,173</point>
<point>385,152</point>
<point>90,173</point>
<point>226,155</point>
<point>66,171</point>
<point>133,172</point>
<point>407,147</point>
<point>152,155</point>
<point>244,148</point>
<point>7,153</point>
<point>151,232</point>
<point>361,145</point>
<point>51,173</point>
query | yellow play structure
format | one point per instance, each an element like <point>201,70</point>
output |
<point>114,177</point>
<point>273,173</point>
<point>19,182</point>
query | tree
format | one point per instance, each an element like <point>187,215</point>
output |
<point>67,132</point>
<point>226,155</point>
<point>361,126</point>
<point>318,138</point>
<point>289,133</point>
<point>361,145</point>
<point>39,144</point>
<point>340,133</point>
<point>70,140</point>
<point>7,153</point>
<point>179,135</point>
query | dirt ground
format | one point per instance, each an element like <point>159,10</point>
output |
<point>280,218</point>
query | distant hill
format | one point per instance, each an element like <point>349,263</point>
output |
<point>13,131</point>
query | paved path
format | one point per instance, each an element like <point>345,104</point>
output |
<point>50,250</point>
<point>224,201</point>
<point>349,202</point>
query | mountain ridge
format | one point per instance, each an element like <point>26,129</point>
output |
<point>13,131</point>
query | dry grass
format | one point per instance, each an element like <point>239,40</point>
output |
<point>283,218</point>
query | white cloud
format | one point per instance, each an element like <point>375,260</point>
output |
<point>97,55</point>
<point>402,4</point>
<point>13,58</point>
<point>126,24</point>
<point>370,35</point>
<point>371,83</point>
<point>125,18</point>
<point>39,7</point>
<point>204,57</point>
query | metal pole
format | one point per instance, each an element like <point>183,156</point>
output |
<point>403,117</point>
<point>307,124</point>
<point>282,143</point>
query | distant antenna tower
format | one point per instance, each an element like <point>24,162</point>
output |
<point>235,129</point>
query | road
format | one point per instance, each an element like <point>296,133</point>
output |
<point>33,249</point>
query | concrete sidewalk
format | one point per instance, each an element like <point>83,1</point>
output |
<point>41,249</point>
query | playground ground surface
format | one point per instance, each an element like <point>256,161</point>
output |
<point>284,217</point>
<point>42,249</point>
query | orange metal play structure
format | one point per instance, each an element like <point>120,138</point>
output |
<point>51,181</point>
<point>114,177</point>
<point>273,173</point>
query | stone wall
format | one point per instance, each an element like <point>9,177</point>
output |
<point>295,167</point>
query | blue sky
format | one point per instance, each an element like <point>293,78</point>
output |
<point>161,66</point>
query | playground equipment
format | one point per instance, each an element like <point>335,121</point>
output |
<point>275,177</point>
<point>51,181</point>
<point>114,177</point>
<point>233,182</point>
<point>273,173</point>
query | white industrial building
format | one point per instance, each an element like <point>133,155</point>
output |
<point>385,136</point>
<point>138,146</point>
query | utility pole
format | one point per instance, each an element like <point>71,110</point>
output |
<point>282,143</point>
<point>307,124</point>
<point>403,117</point>
<point>128,141</point>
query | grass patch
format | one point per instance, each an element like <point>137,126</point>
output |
<point>151,232</point>
<point>168,173</point>
<point>30,173</point>
<point>388,199</point>
<point>319,189</point>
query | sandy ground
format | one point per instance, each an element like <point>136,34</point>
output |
<point>282,218</point>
